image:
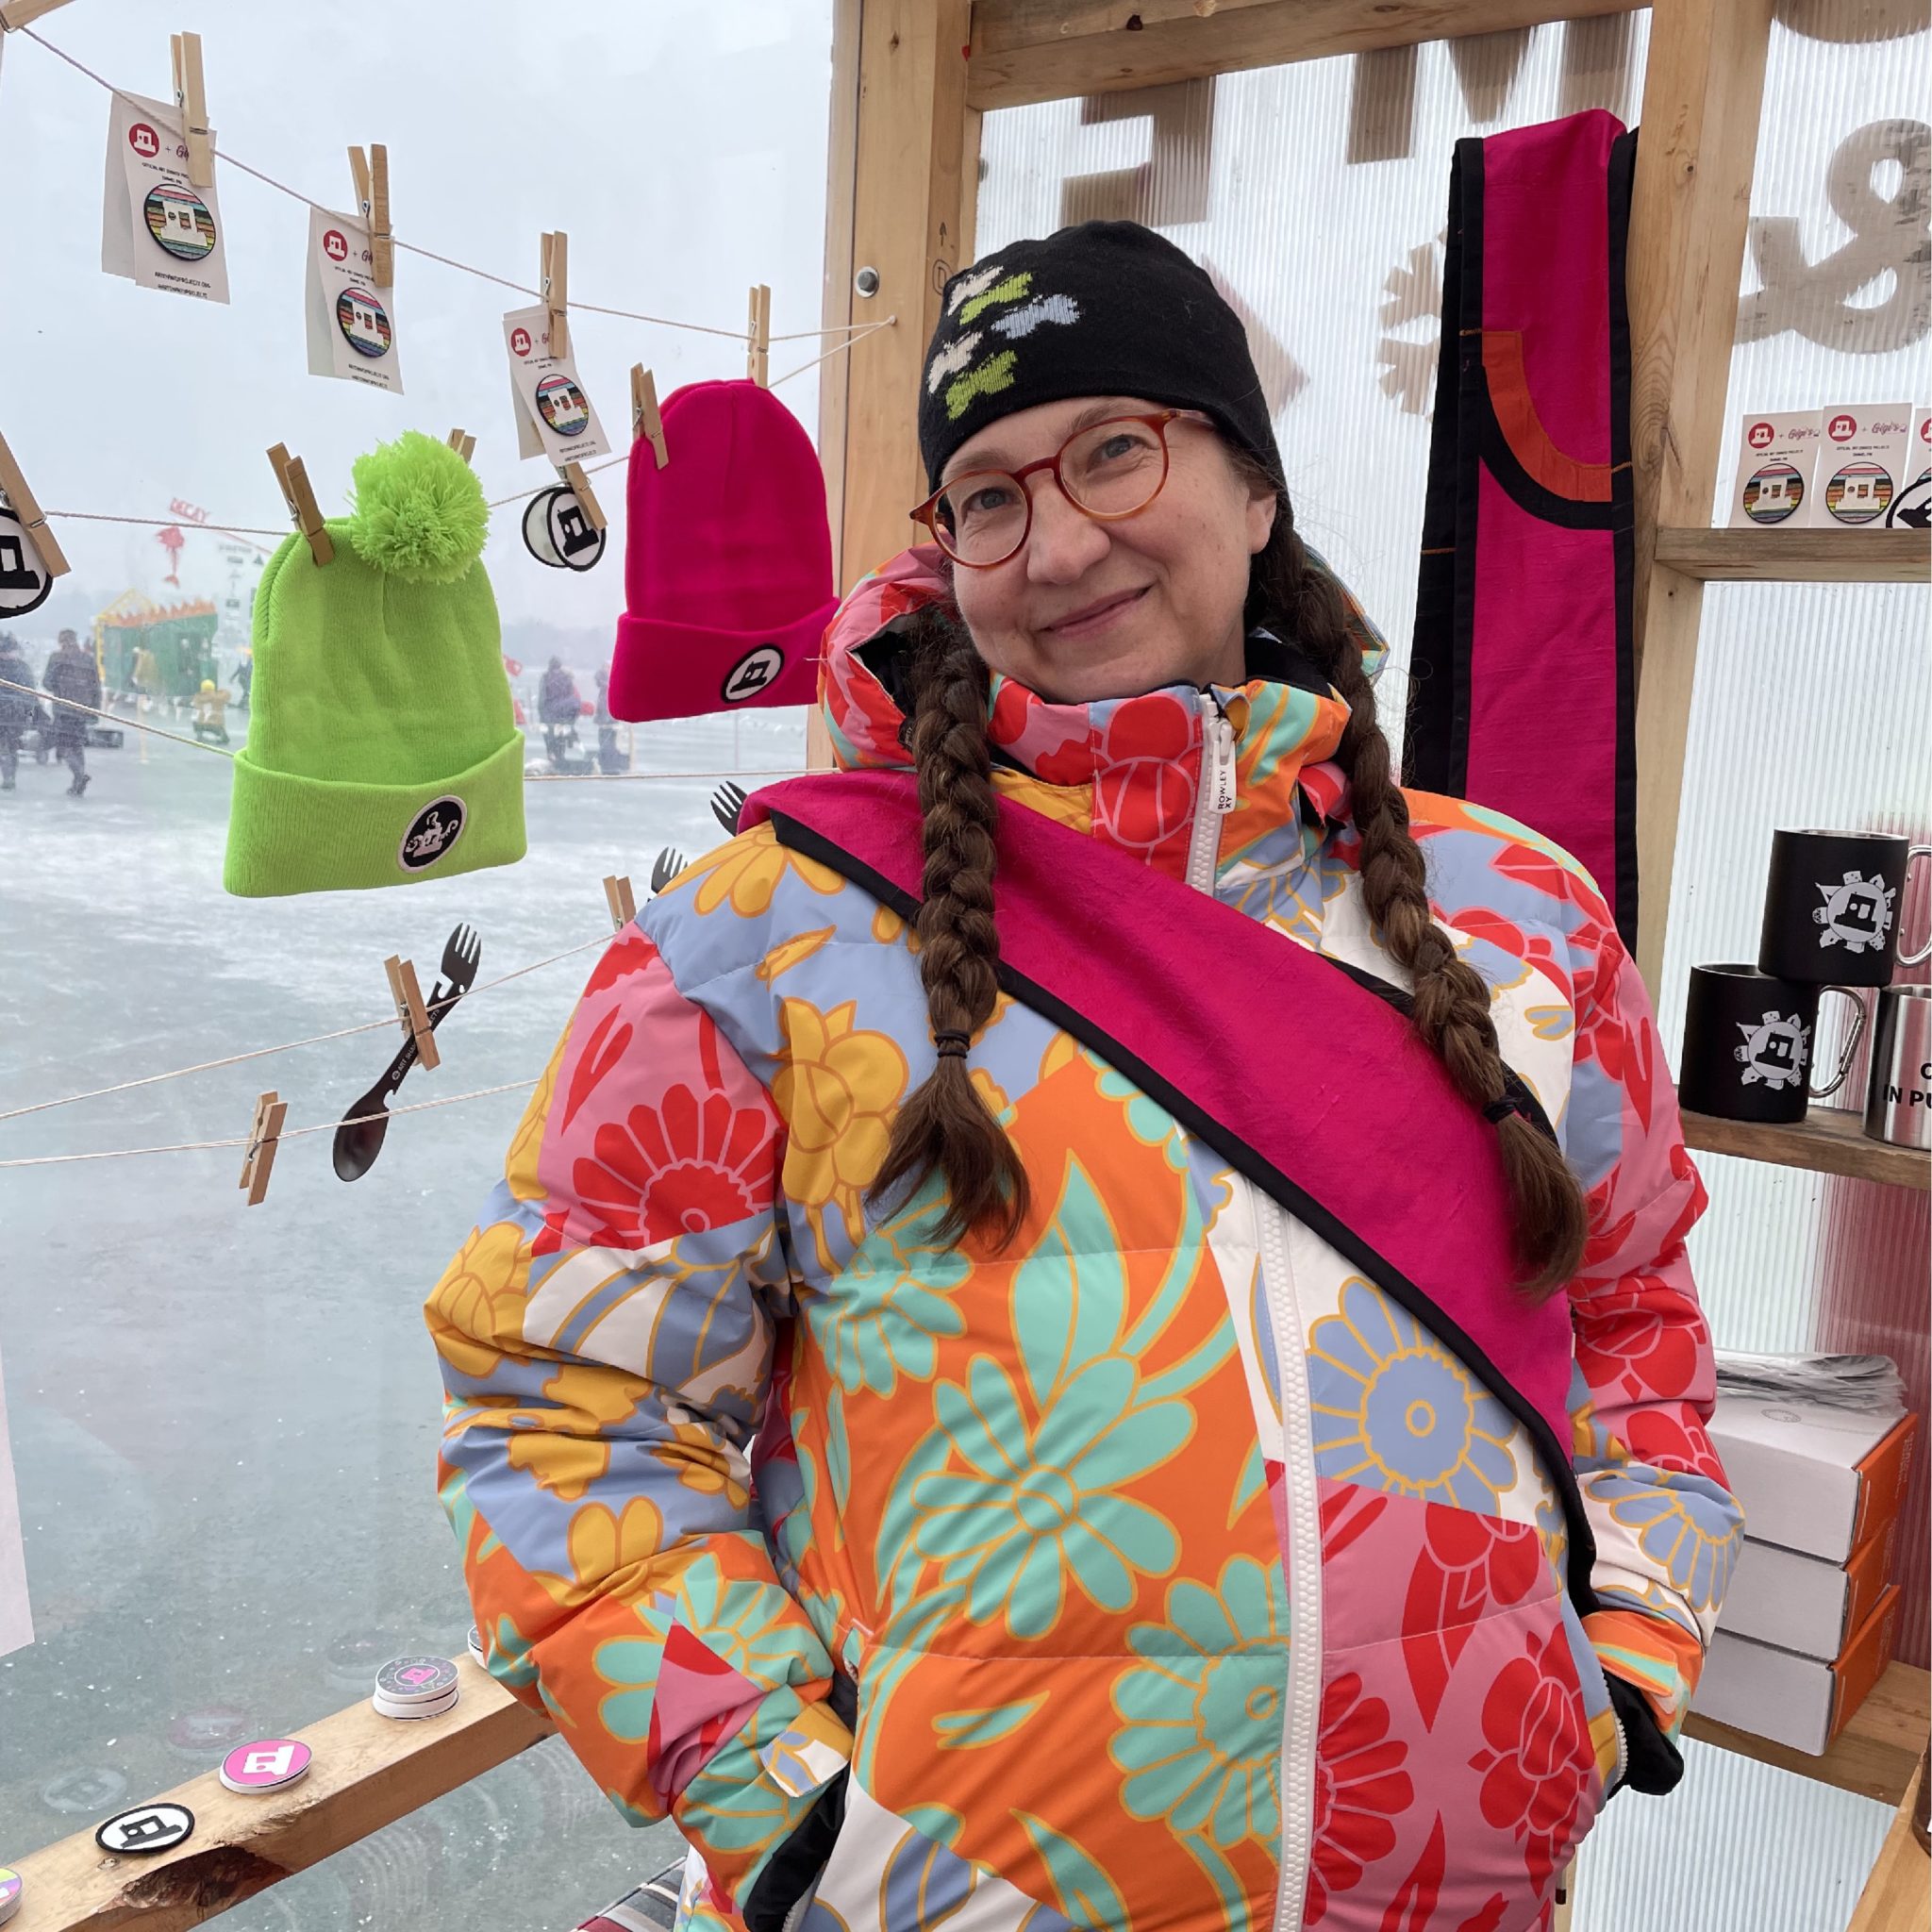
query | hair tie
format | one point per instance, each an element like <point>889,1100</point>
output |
<point>951,1042</point>
<point>1499,1111</point>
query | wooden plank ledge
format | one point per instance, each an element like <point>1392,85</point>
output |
<point>368,1772</point>
<point>1896,1895</point>
<point>1877,1752</point>
<point>1829,1140</point>
<point>1798,556</point>
<point>1024,50</point>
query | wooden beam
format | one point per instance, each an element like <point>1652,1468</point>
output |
<point>1896,1895</point>
<point>1703,88</point>
<point>908,223</point>
<point>1798,556</point>
<point>1048,50</point>
<point>368,1772</point>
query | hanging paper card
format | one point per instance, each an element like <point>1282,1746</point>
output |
<point>157,228</point>
<point>553,415</point>
<point>16,1625</point>
<point>352,322</point>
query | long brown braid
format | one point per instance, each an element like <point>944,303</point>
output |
<point>946,1125</point>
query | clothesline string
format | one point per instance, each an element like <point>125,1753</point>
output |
<point>449,261</point>
<point>234,1059</point>
<point>286,1134</point>
<point>121,720</point>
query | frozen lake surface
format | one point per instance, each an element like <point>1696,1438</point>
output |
<point>224,1419</point>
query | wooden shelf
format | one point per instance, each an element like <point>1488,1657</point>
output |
<point>1828,1140</point>
<point>1798,556</point>
<point>1875,1754</point>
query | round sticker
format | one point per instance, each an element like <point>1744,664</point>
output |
<point>146,1828</point>
<point>335,244</point>
<point>1859,493</point>
<point>752,673</point>
<point>561,404</point>
<point>364,320</point>
<point>520,341</point>
<point>1759,435</point>
<point>1841,428</point>
<point>178,219</point>
<point>416,1679</point>
<point>556,531</point>
<point>1774,494</point>
<point>431,834</point>
<point>1911,508</point>
<point>25,584</point>
<point>144,140</point>
<point>266,1765</point>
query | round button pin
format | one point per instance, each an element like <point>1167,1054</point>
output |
<point>266,1765</point>
<point>477,1649</point>
<point>145,1829</point>
<point>415,1679</point>
<point>11,1889</point>
<point>388,1708</point>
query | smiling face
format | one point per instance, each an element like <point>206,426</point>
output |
<point>1090,609</point>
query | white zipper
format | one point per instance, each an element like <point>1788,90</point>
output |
<point>1302,1722</point>
<point>1214,797</point>
<point>1302,1719</point>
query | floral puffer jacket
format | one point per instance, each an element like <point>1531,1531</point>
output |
<point>1160,1569</point>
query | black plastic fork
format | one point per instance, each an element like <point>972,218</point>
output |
<point>726,803</point>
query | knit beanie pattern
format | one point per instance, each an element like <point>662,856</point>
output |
<point>1103,308</point>
<point>382,744</point>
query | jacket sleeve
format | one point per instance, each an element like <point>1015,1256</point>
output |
<point>1666,1525</point>
<point>606,1339</point>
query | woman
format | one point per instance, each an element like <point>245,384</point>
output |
<point>1159,1386</point>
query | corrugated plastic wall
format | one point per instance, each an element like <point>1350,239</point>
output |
<point>1315,194</point>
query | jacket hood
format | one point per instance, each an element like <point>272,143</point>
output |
<point>1129,769</point>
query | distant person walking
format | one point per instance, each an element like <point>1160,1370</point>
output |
<point>71,676</point>
<point>17,709</point>
<point>210,713</point>
<point>559,705</point>
<point>244,678</point>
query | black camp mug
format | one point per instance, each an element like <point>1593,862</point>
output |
<point>1747,1044</point>
<point>1832,905</point>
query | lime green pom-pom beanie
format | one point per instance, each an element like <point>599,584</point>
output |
<point>382,745</point>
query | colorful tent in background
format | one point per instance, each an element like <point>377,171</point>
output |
<point>180,636</point>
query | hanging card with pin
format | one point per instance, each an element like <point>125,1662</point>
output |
<point>555,418</point>
<point>352,331</point>
<point>160,226</point>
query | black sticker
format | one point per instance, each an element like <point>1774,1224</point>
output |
<point>146,1828</point>
<point>25,584</point>
<point>753,674</point>
<point>557,532</point>
<point>431,834</point>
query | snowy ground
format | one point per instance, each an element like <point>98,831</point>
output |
<point>224,1418</point>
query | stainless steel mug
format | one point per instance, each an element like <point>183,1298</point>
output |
<point>1898,1107</point>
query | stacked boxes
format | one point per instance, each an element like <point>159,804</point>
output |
<point>1807,1621</point>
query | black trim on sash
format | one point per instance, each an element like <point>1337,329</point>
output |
<point>1623,169</point>
<point>800,838</point>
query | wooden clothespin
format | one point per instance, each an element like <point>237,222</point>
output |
<point>371,199</point>
<point>463,443</point>
<point>622,901</point>
<point>555,283</point>
<point>264,1131</point>
<point>759,338</point>
<point>190,98</point>
<point>644,419</point>
<point>18,12</point>
<point>21,499</point>
<point>573,474</point>
<point>300,498</point>
<point>410,1011</point>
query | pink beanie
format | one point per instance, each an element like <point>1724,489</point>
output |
<point>727,569</point>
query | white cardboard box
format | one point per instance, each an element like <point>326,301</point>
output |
<point>1798,1701</point>
<point>1811,1478</point>
<point>1776,459</point>
<point>1861,464</point>
<point>1803,1602</point>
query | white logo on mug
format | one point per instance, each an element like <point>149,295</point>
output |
<point>1857,914</point>
<point>1774,1051</point>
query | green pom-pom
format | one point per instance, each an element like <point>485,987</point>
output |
<point>418,512</point>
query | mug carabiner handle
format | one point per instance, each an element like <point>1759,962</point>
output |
<point>1925,952</point>
<point>1844,1065</point>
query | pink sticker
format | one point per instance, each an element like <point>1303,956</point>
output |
<point>265,1764</point>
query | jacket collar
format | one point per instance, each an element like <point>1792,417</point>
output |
<point>1123,770</point>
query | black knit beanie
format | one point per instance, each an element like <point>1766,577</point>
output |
<point>1103,308</point>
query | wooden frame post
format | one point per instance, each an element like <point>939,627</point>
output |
<point>1703,88</point>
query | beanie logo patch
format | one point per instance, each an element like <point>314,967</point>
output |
<point>432,832</point>
<point>752,673</point>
